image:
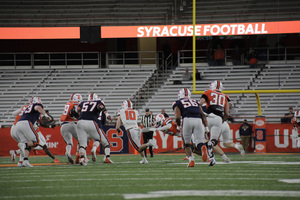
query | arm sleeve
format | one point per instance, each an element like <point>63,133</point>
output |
<point>16,112</point>
<point>166,127</point>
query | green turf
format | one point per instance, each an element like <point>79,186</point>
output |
<point>256,174</point>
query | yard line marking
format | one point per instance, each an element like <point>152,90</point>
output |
<point>289,180</point>
<point>240,193</point>
<point>245,162</point>
<point>42,196</point>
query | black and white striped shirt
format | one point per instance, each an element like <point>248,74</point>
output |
<point>147,121</point>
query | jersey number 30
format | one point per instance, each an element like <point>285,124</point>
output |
<point>217,99</point>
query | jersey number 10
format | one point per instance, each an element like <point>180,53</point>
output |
<point>130,115</point>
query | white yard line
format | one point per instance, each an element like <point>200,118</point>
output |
<point>173,193</point>
<point>289,180</point>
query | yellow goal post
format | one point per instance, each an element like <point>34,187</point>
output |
<point>256,92</point>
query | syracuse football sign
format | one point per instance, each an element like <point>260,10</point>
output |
<point>255,28</point>
<point>201,30</point>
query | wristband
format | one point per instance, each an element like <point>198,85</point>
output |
<point>206,129</point>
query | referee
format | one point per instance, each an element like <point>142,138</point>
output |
<point>147,121</point>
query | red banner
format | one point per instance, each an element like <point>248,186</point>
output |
<point>277,140</point>
<point>252,28</point>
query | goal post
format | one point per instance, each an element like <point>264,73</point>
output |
<point>256,92</point>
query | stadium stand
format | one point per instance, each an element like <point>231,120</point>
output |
<point>34,13</point>
<point>237,78</point>
<point>55,86</point>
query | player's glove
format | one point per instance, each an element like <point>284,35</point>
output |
<point>207,133</point>
<point>73,113</point>
<point>118,130</point>
<point>46,122</point>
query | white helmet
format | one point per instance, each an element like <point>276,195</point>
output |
<point>184,93</point>
<point>216,85</point>
<point>159,119</point>
<point>127,104</point>
<point>297,116</point>
<point>35,100</point>
<point>76,97</point>
<point>93,97</point>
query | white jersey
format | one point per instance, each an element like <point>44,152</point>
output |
<point>129,118</point>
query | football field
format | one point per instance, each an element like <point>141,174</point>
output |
<point>166,176</point>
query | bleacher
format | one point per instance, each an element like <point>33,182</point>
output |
<point>233,11</point>
<point>55,86</point>
<point>51,13</point>
<point>35,13</point>
<point>237,78</point>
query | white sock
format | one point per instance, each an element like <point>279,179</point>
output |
<point>224,156</point>
<point>107,151</point>
<point>236,146</point>
<point>68,149</point>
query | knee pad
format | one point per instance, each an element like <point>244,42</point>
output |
<point>214,141</point>
<point>82,147</point>
<point>187,145</point>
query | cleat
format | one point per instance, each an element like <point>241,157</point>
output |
<point>241,150</point>
<point>204,153</point>
<point>22,148</point>
<point>70,159</point>
<point>212,162</point>
<point>26,164</point>
<point>77,158</point>
<point>191,163</point>
<point>56,160</point>
<point>185,158</point>
<point>227,160</point>
<point>153,144</point>
<point>108,160</point>
<point>20,164</point>
<point>144,161</point>
<point>94,157</point>
<point>13,155</point>
<point>82,162</point>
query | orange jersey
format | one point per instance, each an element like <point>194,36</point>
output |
<point>296,125</point>
<point>65,117</point>
<point>173,130</point>
<point>20,114</point>
<point>215,101</point>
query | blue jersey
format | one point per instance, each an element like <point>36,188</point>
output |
<point>31,114</point>
<point>188,107</point>
<point>90,110</point>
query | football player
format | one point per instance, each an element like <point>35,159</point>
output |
<point>42,141</point>
<point>227,143</point>
<point>87,126</point>
<point>69,120</point>
<point>225,131</point>
<point>296,124</point>
<point>165,125</point>
<point>129,117</point>
<point>217,104</point>
<point>24,130</point>
<point>193,119</point>
<point>104,140</point>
